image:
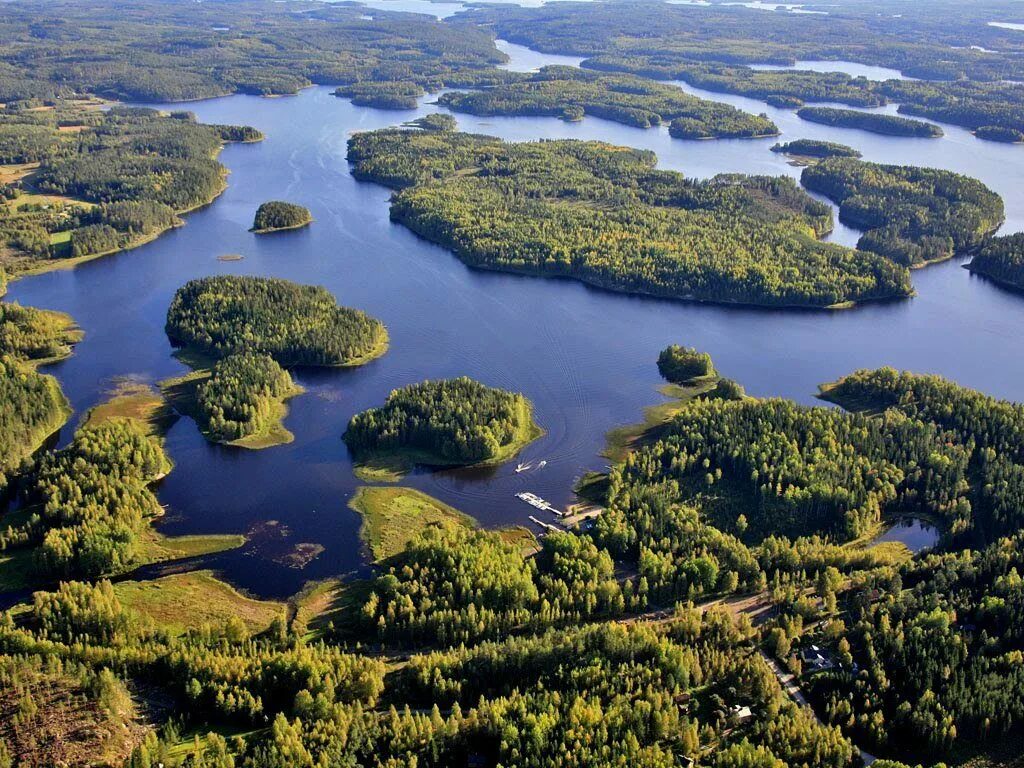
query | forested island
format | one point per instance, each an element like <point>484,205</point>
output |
<point>888,125</point>
<point>911,215</point>
<point>276,216</point>
<point>681,365</point>
<point>815,148</point>
<point>541,208</point>
<point>239,401</point>
<point>91,182</point>
<point>294,324</point>
<point>570,93</point>
<point>454,422</point>
<point>1001,259</point>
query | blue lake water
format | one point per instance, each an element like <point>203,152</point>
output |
<point>585,357</point>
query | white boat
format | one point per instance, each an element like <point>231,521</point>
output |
<point>523,468</point>
<point>541,464</point>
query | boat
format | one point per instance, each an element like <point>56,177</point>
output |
<point>541,464</point>
<point>523,468</point>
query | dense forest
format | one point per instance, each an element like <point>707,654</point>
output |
<point>948,640</point>
<point>276,215</point>
<point>109,179</point>
<point>91,502</point>
<point>241,395</point>
<point>604,215</point>
<point>33,405</point>
<point>159,51</point>
<point>454,421</point>
<point>295,324</point>
<point>815,148</point>
<point>1002,260</point>
<point>911,215</point>
<point>740,553</point>
<point>970,72</point>
<point>570,93</point>
<point>888,125</point>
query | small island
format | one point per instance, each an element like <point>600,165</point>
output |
<point>240,402</point>
<point>681,365</point>
<point>278,216</point>
<point>887,125</point>
<point>438,121</point>
<point>815,148</point>
<point>382,95</point>
<point>295,324</point>
<point>445,423</point>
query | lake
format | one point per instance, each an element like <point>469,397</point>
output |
<point>916,535</point>
<point>585,357</point>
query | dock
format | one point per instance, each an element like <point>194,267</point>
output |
<point>548,527</point>
<point>537,502</point>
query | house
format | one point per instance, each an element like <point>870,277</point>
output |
<point>816,659</point>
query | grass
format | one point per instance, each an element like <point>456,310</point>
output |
<point>137,402</point>
<point>183,395</point>
<point>154,547</point>
<point>622,441</point>
<point>520,537</point>
<point>330,604</point>
<point>185,601</point>
<point>182,749</point>
<point>391,466</point>
<point>392,517</point>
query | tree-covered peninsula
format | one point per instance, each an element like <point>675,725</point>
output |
<point>33,405</point>
<point>88,182</point>
<point>1001,259</point>
<point>295,324</point>
<point>453,422</point>
<point>570,93</point>
<point>276,215</point>
<point>606,216</point>
<point>911,215</point>
<point>887,125</point>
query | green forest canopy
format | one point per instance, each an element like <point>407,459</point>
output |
<point>605,215</point>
